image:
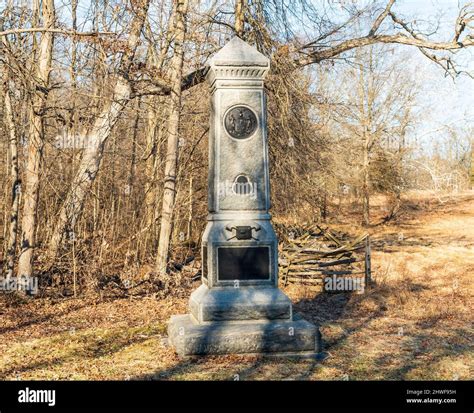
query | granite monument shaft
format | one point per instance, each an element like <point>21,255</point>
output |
<point>239,307</point>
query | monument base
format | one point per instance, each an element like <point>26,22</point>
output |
<point>275,337</point>
<point>232,304</point>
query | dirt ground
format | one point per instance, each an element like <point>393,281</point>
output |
<point>415,322</point>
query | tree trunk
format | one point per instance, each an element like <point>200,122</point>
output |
<point>171,162</point>
<point>90,163</point>
<point>35,144</point>
<point>130,190</point>
<point>472,164</point>
<point>151,169</point>
<point>240,6</point>
<point>189,231</point>
<point>366,96</point>
<point>14,178</point>
<point>366,183</point>
<point>157,111</point>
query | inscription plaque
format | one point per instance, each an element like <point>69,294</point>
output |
<point>243,263</point>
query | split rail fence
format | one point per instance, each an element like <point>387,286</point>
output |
<point>322,261</point>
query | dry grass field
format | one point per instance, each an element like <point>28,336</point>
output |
<point>415,322</point>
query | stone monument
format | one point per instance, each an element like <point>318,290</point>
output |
<point>239,307</point>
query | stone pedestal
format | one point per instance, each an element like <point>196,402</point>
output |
<point>239,308</point>
<point>282,337</point>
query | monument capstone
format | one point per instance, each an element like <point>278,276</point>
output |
<point>239,307</point>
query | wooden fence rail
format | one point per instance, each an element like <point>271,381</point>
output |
<point>323,262</point>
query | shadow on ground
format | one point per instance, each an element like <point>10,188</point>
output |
<point>251,366</point>
<point>418,350</point>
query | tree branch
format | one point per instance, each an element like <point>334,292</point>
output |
<point>54,30</point>
<point>399,38</point>
<point>444,62</point>
<point>379,20</point>
<point>466,15</point>
<point>314,53</point>
<point>160,87</point>
<point>194,78</point>
<point>146,87</point>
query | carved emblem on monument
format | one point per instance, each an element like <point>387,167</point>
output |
<point>240,122</point>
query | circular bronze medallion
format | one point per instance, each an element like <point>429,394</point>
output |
<point>240,122</point>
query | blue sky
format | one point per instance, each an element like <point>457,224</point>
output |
<point>443,101</point>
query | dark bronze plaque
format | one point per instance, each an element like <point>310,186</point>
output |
<point>240,122</point>
<point>243,263</point>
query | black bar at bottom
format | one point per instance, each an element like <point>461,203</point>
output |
<point>295,396</point>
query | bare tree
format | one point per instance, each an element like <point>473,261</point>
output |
<point>134,54</point>
<point>14,173</point>
<point>375,116</point>
<point>171,162</point>
<point>99,133</point>
<point>36,142</point>
<point>156,114</point>
<point>471,177</point>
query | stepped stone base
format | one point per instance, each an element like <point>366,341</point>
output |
<point>290,336</point>
<point>246,303</point>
